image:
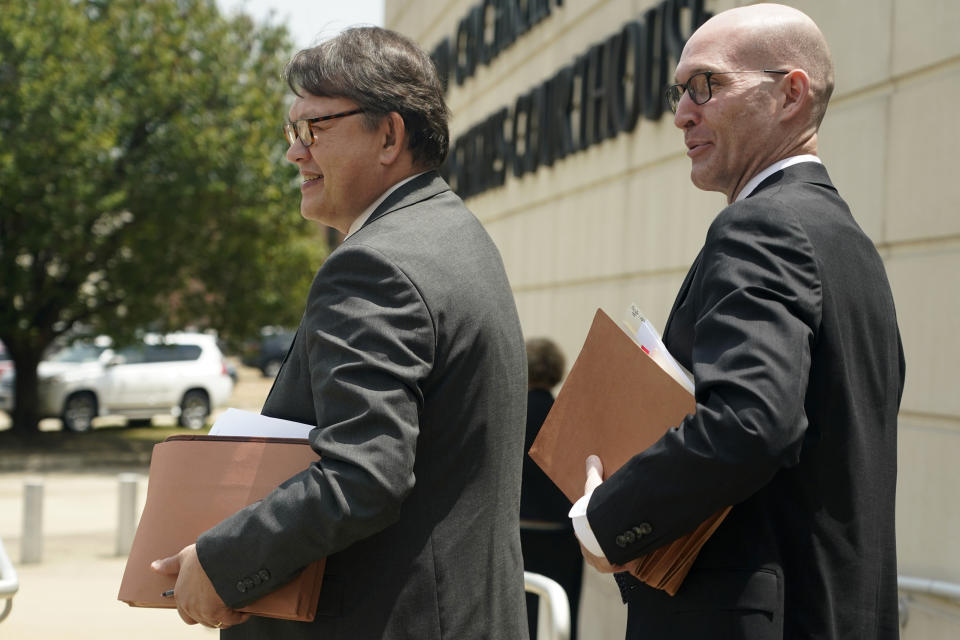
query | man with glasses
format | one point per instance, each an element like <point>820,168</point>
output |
<point>787,322</point>
<point>410,362</point>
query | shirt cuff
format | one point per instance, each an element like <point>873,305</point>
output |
<point>581,526</point>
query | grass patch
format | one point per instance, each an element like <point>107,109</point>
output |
<point>100,439</point>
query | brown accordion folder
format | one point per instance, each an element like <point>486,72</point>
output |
<point>616,402</point>
<point>197,481</point>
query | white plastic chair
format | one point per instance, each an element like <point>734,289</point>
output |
<point>557,603</point>
<point>9,585</point>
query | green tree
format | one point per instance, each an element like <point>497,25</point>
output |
<point>142,178</point>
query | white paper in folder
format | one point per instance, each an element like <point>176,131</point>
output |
<point>644,333</point>
<point>237,422</point>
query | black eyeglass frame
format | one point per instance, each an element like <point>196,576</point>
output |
<point>675,92</point>
<point>300,129</point>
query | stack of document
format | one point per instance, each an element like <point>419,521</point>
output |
<point>648,339</point>
<point>616,402</point>
<point>195,482</point>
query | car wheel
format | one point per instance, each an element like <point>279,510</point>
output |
<point>79,410</point>
<point>194,409</point>
<point>271,368</point>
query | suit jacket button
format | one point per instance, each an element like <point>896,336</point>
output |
<point>643,529</point>
<point>241,587</point>
<point>630,537</point>
<point>248,583</point>
<point>256,579</point>
<point>621,541</point>
<point>264,574</point>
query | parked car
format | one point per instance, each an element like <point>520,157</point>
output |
<point>182,374</point>
<point>6,379</point>
<point>231,366</point>
<point>268,354</point>
<point>6,364</point>
<point>62,360</point>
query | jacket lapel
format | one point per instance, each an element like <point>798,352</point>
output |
<point>423,187</point>
<point>682,293</point>
<point>812,172</point>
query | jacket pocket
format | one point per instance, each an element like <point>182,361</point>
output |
<point>731,605</point>
<point>731,590</point>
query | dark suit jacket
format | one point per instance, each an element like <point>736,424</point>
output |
<point>540,499</point>
<point>787,321</point>
<point>410,361</point>
<point>555,552</point>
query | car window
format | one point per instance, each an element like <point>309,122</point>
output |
<point>134,354</point>
<point>78,352</point>
<point>172,352</point>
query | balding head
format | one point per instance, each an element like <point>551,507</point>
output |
<point>753,85</point>
<point>774,36</point>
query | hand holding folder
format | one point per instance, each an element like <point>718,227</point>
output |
<point>616,402</point>
<point>197,481</point>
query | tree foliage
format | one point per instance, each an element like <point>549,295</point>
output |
<point>142,178</point>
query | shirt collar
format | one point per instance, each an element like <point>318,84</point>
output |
<point>772,169</point>
<point>363,217</point>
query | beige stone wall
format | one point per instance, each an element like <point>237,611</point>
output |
<point>620,223</point>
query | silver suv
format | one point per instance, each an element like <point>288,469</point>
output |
<point>181,374</point>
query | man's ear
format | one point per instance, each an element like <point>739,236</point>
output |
<point>394,136</point>
<point>796,94</point>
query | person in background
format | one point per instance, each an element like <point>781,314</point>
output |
<point>549,546</point>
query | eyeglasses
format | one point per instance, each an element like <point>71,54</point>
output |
<point>699,87</point>
<point>302,129</point>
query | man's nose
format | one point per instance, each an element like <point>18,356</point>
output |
<point>686,114</point>
<point>297,151</point>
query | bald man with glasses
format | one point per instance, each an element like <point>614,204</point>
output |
<point>787,321</point>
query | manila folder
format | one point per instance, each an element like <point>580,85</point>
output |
<point>616,402</point>
<point>197,481</point>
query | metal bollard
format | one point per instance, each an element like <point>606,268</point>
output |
<point>31,539</point>
<point>126,512</point>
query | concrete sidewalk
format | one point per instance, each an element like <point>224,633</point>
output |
<point>72,593</point>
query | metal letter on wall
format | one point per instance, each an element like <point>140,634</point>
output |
<point>654,75</point>
<point>560,107</point>
<point>595,97</point>
<point>441,60</point>
<point>613,88</point>
<point>631,67</point>
<point>602,93</point>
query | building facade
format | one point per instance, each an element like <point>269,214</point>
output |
<point>562,149</point>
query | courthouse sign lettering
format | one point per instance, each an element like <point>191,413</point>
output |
<point>488,28</point>
<point>601,94</point>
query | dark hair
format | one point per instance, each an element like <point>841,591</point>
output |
<point>382,71</point>
<point>544,363</point>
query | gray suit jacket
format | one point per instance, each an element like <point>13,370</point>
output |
<point>787,321</point>
<point>410,361</point>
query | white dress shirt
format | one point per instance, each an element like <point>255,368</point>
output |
<point>772,169</point>
<point>363,217</point>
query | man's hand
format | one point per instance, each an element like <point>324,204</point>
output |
<point>197,600</point>
<point>594,479</point>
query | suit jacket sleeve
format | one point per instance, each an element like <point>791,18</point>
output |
<point>370,342</point>
<point>757,309</point>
